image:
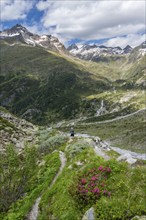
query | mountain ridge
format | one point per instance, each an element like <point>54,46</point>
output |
<point>19,33</point>
<point>45,41</point>
<point>102,53</point>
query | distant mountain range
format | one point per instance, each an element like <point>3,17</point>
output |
<point>19,34</point>
<point>96,53</point>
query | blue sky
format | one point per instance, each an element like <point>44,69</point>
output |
<point>109,22</point>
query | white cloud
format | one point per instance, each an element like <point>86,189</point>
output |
<point>89,20</point>
<point>14,9</point>
<point>132,39</point>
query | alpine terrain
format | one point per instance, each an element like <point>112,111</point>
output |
<point>99,92</point>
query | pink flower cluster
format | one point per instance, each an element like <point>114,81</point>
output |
<point>93,184</point>
<point>106,169</point>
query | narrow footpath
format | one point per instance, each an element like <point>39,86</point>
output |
<point>33,214</point>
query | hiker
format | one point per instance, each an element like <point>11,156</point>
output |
<point>72,132</point>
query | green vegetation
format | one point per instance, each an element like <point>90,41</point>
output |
<point>76,147</point>
<point>38,177</point>
<point>61,201</point>
<point>6,125</point>
<point>15,174</point>
<point>32,174</point>
<point>49,143</point>
<point>44,86</point>
<point>49,86</point>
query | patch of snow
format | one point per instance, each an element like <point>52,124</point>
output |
<point>4,34</point>
<point>30,41</point>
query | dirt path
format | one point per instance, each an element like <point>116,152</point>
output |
<point>117,118</point>
<point>33,214</point>
<point>100,147</point>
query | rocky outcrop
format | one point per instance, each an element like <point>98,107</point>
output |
<point>19,34</point>
<point>15,131</point>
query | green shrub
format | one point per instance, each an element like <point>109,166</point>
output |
<point>51,143</point>
<point>44,177</point>
<point>75,148</point>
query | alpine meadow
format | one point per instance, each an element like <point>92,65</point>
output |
<point>73,110</point>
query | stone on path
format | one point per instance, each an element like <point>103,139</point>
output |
<point>139,217</point>
<point>89,215</point>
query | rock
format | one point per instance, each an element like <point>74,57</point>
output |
<point>139,217</point>
<point>30,139</point>
<point>20,145</point>
<point>97,139</point>
<point>70,167</point>
<point>14,140</point>
<point>89,215</point>
<point>42,163</point>
<point>79,163</point>
<point>127,157</point>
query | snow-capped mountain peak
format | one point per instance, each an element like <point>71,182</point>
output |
<point>127,49</point>
<point>93,52</point>
<point>20,34</point>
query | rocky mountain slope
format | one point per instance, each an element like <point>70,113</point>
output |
<point>16,131</point>
<point>19,34</point>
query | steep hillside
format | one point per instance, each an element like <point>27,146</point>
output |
<point>38,84</point>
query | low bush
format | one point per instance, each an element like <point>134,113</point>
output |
<point>52,143</point>
<point>75,148</point>
<point>92,185</point>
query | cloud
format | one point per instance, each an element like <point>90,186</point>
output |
<point>90,20</point>
<point>132,39</point>
<point>15,9</point>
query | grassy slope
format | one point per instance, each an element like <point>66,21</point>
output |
<point>60,202</point>
<point>44,177</point>
<point>33,78</point>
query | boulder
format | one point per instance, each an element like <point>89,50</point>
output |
<point>127,157</point>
